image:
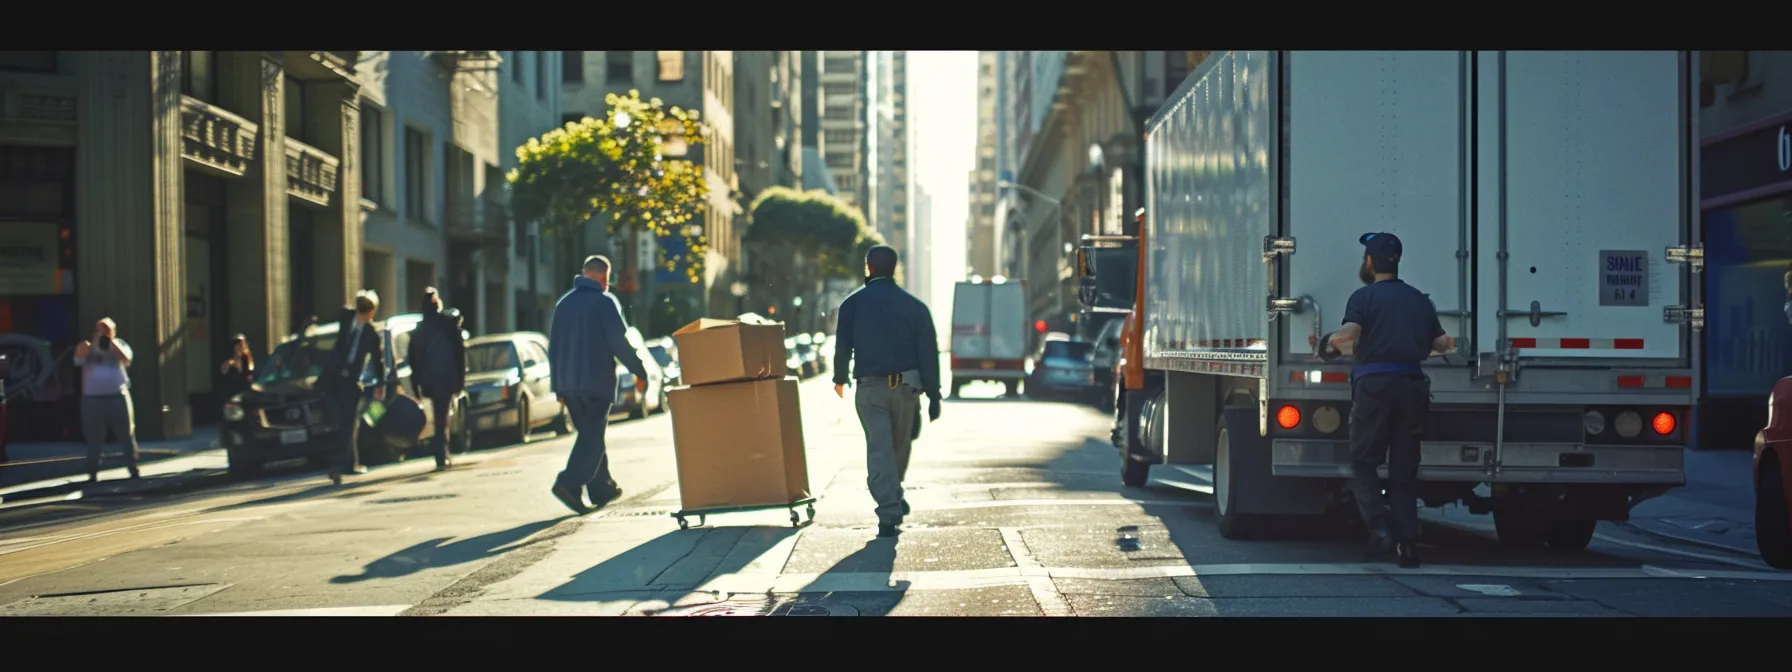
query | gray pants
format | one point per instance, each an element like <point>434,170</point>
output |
<point>102,414</point>
<point>887,414</point>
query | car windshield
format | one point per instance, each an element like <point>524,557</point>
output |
<point>660,355</point>
<point>297,359</point>
<point>1067,350</point>
<point>487,357</point>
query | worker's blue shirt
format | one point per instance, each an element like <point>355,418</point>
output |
<point>1399,323</point>
<point>587,338</point>
<point>883,330</point>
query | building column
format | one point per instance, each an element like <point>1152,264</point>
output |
<point>252,83</point>
<point>336,271</point>
<point>130,259</point>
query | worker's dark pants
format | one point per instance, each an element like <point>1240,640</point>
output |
<point>441,406</point>
<point>1387,421</point>
<point>345,401</point>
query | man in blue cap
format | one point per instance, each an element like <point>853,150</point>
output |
<point>1389,328</point>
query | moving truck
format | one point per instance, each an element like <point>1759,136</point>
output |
<point>990,334</point>
<point>1545,202</point>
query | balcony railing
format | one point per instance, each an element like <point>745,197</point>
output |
<point>310,173</point>
<point>216,139</point>
<point>481,61</point>
<point>478,220</point>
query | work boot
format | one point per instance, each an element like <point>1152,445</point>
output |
<point>1380,540</point>
<point>888,531</point>
<point>571,499</point>
<point>1408,553</point>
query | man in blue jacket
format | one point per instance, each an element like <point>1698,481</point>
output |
<point>586,340</point>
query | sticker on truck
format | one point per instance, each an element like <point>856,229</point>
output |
<point>1624,278</point>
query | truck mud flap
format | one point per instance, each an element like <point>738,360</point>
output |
<point>1256,491</point>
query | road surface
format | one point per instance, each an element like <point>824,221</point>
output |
<point>1018,511</point>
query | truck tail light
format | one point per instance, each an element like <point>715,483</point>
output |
<point>1663,423</point>
<point>1288,417</point>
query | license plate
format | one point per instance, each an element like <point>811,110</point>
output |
<point>989,365</point>
<point>292,436</point>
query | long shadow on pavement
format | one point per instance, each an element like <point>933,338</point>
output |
<point>435,553</point>
<point>674,565</point>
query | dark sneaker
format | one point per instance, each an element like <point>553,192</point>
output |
<point>1409,555</point>
<point>570,498</point>
<point>888,531</point>
<point>905,509</point>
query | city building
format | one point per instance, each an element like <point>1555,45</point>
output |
<point>920,260</point>
<point>981,257</point>
<point>189,196</point>
<point>816,173</point>
<point>703,81</point>
<point>844,141</point>
<point>888,213</point>
<point>430,151</point>
<point>768,132</point>
<point>1745,185</point>
<point>528,106</point>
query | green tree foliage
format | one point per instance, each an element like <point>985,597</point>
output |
<point>823,230</point>
<point>615,166</point>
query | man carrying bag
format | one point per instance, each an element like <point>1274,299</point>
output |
<point>438,357</point>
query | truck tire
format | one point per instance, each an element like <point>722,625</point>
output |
<point>1773,527</point>
<point>1570,535</point>
<point>1013,389</point>
<point>957,386</point>
<point>1232,524</point>
<point>1518,526</point>
<point>1134,472</point>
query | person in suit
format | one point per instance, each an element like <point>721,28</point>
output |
<point>358,346</point>
<point>588,336</point>
<point>438,357</point>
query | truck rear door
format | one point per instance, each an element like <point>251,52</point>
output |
<point>1007,321</point>
<point>970,321</point>
<point>1584,194</point>
<point>1376,142</point>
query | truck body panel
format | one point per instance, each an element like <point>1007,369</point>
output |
<point>989,331</point>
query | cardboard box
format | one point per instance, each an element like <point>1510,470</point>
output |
<point>714,351</point>
<point>739,444</point>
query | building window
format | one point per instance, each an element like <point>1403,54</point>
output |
<point>28,61</point>
<point>416,175</point>
<point>572,67</point>
<point>571,119</point>
<point>516,66</point>
<point>541,75</point>
<point>199,75</point>
<point>671,66</point>
<point>619,67</point>
<point>373,153</point>
<point>295,110</point>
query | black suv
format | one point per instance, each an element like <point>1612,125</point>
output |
<point>283,417</point>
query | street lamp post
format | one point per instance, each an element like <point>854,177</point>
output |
<point>1057,227</point>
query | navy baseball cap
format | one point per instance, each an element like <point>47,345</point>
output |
<point>1384,248</point>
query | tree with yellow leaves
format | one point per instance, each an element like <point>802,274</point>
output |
<point>616,166</point>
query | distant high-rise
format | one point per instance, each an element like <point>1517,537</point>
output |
<point>889,208</point>
<point>920,259</point>
<point>980,234</point>
<point>844,142</point>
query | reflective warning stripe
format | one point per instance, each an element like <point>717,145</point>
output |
<point>1577,343</point>
<point>1654,380</point>
<point>1319,377</point>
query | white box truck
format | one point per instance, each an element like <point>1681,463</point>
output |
<point>1544,199</point>
<point>990,334</point>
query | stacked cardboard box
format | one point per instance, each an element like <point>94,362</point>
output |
<point>737,429</point>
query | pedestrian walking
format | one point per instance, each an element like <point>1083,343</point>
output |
<point>1389,327</point>
<point>587,338</point>
<point>358,346</point>
<point>438,357</point>
<point>885,340</point>
<point>239,368</point>
<point>106,396</point>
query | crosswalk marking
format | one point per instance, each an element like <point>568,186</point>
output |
<point>382,610</point>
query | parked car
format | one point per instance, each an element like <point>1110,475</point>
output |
<point>510,386</point>
<point>627,401</point>
<point>282,415</point>
<point>1060,370</point>
<point>824,350</point>
<point>1104,356</point>
<point>805,348</point>
<point>665,352</point>
<point>1773,470</point>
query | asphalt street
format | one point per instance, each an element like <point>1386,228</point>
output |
<point>1018,511</point>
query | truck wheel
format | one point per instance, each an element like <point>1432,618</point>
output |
<point>1134,472</point>
<point>1571,535</point>
<point>1518,527</point>
<point>957,386</point>
<point>1232,524</point>
<point>1773,527</point>
<point>1013,389</point>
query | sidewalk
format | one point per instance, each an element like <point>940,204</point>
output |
<point>1716,507</point>
<point>41,470</point>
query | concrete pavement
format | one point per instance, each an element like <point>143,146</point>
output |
<point>1018,511</point>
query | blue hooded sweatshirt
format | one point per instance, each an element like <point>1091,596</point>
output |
<point>586,340</point>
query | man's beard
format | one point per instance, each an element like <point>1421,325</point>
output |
<point>1366,275</point>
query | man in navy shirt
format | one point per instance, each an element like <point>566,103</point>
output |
<point>888,336</point>
<point>1389,327</point>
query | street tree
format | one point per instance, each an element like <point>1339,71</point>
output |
<point>616,166</point>
<point>813,226</point>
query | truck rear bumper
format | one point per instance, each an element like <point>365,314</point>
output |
<point>1518,462</point>
<point>988,374</point>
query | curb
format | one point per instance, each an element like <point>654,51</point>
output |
<point>191,480</point>
<point>1712,545</point>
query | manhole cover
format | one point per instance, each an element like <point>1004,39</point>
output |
<point>401,500</point>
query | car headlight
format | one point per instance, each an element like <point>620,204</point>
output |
<point>233,412</point>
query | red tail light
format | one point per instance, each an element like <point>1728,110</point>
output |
<point>1663,423</point>
<point>1288,417</point>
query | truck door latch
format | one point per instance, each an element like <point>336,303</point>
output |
<point>1694,317</point>
<point>1691,255</point>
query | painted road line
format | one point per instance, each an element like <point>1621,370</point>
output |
<point>1481,527</point>
<point>1045,592</point>
<point>739,583</point>
<point>636,511</point>
<point>383,610</point>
